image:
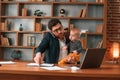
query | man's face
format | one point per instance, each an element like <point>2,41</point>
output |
<point>58,30</point>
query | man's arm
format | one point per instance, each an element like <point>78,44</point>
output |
<point>40,49</point>
<point>43,45</point>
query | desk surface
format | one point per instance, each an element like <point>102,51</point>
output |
<point>105,71</point>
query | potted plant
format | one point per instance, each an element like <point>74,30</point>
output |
<point>38,13</point>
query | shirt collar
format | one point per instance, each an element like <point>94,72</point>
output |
<point>53,35</point>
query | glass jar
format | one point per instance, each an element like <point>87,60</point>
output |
<point>31,40</point>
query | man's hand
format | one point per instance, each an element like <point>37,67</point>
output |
<point>38,58</point>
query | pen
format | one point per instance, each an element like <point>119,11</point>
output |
<point>39,65</point>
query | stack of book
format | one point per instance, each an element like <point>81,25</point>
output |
<point>100,43</point>
<point>4,41</point>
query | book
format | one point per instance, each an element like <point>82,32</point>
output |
<point>97,1</point>
<point>80,13</point>
<point>33,0</point>
<point>2,26</point>
<point>24,12</point>
<point>100,44</point>
<point>71,26</point>
<point>83,13</point>
<point>38,27</point>
<point>40,0</point>
<point>4,41</point>
<point>99,28</point>
<point>101,1</point>
<point>7,41</point>
<point>72,0</point>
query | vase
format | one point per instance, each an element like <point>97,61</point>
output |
<point>16,54</point>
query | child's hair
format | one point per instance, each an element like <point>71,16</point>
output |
<point>76,31</point>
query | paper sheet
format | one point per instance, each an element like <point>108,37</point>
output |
<point>53,68</point>
<point>44,64</point>
<point>7,62</point>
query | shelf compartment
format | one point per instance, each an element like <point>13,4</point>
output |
<point>44,22</point>
<point>11,39</point>
<point>23,39</point>
<point>93,40</point>
<point>95,11</point>
<point>14,24</point>
<point>7,9</point>
<point>25,54</point>
<point>72,10</point>
<point>86,24</point>
<point>31,8</point>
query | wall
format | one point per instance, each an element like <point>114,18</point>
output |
<point>113,25</point>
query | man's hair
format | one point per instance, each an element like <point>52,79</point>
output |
<point>53,22</point>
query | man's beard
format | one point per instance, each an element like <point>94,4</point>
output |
<point>61,35</point>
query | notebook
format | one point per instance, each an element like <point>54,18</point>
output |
<point>92,58</point>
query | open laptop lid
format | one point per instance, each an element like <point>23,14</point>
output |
<point>93,58</point>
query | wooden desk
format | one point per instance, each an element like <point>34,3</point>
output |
<point>20,71</point>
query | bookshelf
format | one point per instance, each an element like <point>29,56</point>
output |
<point>83,14</point>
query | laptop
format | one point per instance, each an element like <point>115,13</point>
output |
<point>92,58</point>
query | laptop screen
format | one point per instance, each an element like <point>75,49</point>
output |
<point>93,58</point>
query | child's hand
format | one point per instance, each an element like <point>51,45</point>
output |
<point>70,58</point>
<point>75,51</point>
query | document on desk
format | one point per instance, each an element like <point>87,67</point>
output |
<point>53,68</point>
<point>40,65</point>
<point>7,62</point>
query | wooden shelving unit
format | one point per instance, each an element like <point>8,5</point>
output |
<point>95,13</point>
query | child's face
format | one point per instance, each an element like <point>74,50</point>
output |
<point>73,36</point>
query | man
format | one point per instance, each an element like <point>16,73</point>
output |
<point>50,43</point>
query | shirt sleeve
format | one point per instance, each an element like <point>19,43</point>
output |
<point>43,45</point>
<point>79,47</point>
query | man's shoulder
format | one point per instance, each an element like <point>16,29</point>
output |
<point>49,35</point>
